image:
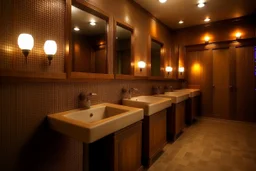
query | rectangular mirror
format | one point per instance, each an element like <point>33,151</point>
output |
<point>89,42</point>
<point>156,48</point>
<point>123,49</point>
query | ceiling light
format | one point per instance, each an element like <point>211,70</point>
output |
<point>201,3</point>
<point>92,22</point>
<point>181,22</point>
<point>162,1</point>
<point>207,19</point>
<point>77,29</point>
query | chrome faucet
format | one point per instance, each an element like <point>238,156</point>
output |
<point>169,88</point>
<point>84,100</point>
<point>130,91</point>
<point>156,89</point>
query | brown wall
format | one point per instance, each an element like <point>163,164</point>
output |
<point>217,31</point>
<point>26,143</point>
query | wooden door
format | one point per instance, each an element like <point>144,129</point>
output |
<point>206,82</point>
<point>244,83</point>
<point>221,83</point>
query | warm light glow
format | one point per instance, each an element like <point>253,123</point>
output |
<point>26,41</point>
<point>181,22</point>
<point>168,69</point>
<point>162,1</point>
<point>181,69</point>
<point>238,35</point>
<point>50,47</point>
<point>206,39</point>
<point>200,5</point>
<point>207,19</point>
<point>141,64</point>
<point>92,22</point>
<point>196,68</point>
<point>77,29</point>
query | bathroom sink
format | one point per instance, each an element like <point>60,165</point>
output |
<point>150,104</point>
<point>89,125</point>
<point>192,92</point>
<point>176,97</point>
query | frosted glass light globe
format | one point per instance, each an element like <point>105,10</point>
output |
<point>25,41</point>
<point>168,69</point>
<point>181,69</point>
<point>50,47</point>
<point>141,64</point>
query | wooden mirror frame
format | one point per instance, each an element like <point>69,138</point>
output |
<point>161,77</point>
<point>130,28</point>
<point>81,4</point>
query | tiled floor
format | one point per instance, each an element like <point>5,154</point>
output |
<point>211,145</point>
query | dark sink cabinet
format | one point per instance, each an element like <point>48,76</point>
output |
<point>120,151</point>
<point>154,136</point>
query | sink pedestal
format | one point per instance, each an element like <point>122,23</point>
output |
<point>154,136</point>
<point>175,120</point>
<point>120,151</point>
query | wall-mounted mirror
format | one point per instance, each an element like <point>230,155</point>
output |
<point>89,42</point>
<point>156,56</point>
<point>123,49</point>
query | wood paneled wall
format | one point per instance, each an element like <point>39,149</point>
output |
<point>217,31</point>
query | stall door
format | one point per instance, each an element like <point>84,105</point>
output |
<point>245,88</point>
<point>221,83</point>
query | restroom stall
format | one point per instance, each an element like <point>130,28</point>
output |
<point>226,76</point>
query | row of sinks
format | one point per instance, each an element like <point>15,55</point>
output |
<point>90,125</point>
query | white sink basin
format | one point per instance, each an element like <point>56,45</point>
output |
<point>192,92</point>
<point>89,125</point>
<point>150,104</point>
<point>176,97</point>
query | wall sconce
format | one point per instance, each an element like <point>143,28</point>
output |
<point>168,69</point>
<point>238,35</point>
<point>206,39</point>
<point>50,49</point>
<point>181,70</point>
<point>26,43</point>
<point>141,65</point>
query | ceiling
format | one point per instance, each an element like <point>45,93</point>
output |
<point>174,10</point>
<point>81,19</point>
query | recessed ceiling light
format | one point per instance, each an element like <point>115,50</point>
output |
<point>162,1</point>
<point>207,19</point>
<point>77,29</point>
<point>92,22</point>
<point>181,22</point>
<point>201,5</point>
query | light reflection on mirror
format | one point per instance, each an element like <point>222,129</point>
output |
<point>155,58</point>
<point>89,43</point>
<point>123,50</point>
